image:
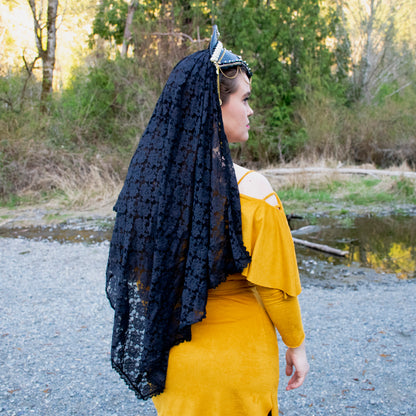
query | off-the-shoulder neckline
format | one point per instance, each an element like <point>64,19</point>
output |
<point>262,200</point>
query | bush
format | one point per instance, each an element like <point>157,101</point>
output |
<point>382,133</point>
<point>85,140</point>
<point>107,104</point>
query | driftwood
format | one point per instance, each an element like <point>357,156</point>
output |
<point>315,246</point>
<point>321,247</point>
<point>347,171</point>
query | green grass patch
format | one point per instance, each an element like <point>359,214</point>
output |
<point>306,196</point>
<point>56,217</point>
<point>12,201</point>
<point>370,183</point>
<point>365,199</point>
<point>339,197</point>
<point>347,221</point>
<point>407,188</point>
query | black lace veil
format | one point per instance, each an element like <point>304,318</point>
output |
<point>178,226</point>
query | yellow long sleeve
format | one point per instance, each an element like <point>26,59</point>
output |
<point>284,312</point>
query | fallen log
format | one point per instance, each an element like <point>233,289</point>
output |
<point>345,171</point>
<point>321,247</point>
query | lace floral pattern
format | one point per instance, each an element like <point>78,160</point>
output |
<point>178,227</point>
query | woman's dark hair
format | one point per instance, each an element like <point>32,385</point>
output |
<point>228,81</point>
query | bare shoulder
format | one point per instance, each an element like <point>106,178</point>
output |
<point>254,184</point>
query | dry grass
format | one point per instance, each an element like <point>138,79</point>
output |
<point>92,186</point>
<point>381,134</point>
<point>37,174</point>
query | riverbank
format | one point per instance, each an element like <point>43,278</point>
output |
<point>309,191</point>
<point>56,333</point>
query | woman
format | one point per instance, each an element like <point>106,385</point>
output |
<point>197,257</point>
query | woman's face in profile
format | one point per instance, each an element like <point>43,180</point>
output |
<point>236,111</point>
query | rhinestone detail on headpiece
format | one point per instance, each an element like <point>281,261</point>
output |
<point>215,56</point>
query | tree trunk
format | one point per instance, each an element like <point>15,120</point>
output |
<point>46,48</point>
<point>129,20</point>
<point>367,58</point>
<point>345,171</point>
<point>378,58</point>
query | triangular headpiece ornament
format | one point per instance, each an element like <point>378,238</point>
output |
<point>221,57</point>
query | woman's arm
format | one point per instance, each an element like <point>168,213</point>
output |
<point>284,311</point>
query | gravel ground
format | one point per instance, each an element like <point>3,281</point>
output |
<point>55,331</point>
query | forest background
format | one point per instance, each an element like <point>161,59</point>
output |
<point>333,80</point>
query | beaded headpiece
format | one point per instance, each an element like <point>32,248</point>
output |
<point>223,58</point>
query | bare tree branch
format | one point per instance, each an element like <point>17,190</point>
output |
<point>29,69</point>
<point>9,102</point>
<point>180,34</point>
<point>398,90</point>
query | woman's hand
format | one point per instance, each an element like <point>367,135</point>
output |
<point>296,357</point>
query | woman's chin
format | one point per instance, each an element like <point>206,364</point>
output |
<point>238,140</point>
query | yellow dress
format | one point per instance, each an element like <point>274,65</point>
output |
<point>231,365</point>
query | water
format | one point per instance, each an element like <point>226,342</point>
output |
<point>59,233</point>
<point>385,244</point>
